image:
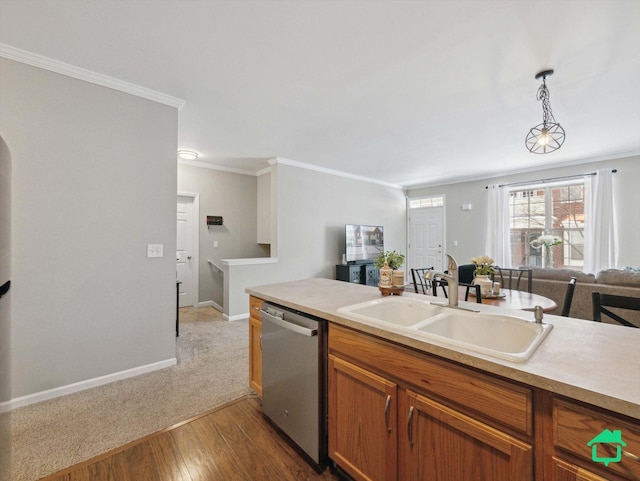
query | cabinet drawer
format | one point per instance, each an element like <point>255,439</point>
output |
<point>487,397</point>
<point>580,431</point>
<point>255,303</point>
<point>563,471</point>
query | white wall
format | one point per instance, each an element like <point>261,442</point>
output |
<point>312,209</point>
<point>469,227</point>
<point>94,182</point>
<point>234,197</point>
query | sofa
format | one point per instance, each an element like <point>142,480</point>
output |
<point>552,283</point>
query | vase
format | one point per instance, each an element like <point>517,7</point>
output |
<point>547,256</point>
<point>386,276</point>
<point>485,283</point>
<point>398,278</point>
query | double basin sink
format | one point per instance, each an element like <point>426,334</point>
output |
<point>507,337</point>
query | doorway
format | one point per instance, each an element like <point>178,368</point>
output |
<point>187,247</point>
<point>426,232</point>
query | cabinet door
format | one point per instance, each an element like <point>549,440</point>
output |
<point>255,345</point>
<point>441,444</point>
<point>362,422</point>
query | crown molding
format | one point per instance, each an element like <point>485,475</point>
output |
<point>80,73</point>
<point>208,165</point>
<point>338,173</point>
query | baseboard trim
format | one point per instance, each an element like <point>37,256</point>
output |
<point>213,304</point>
<point>237,317</point>
<point>82,385</point>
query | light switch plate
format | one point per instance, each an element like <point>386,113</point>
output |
<point>154,250</point>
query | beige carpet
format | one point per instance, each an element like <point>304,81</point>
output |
<point>212,369</point>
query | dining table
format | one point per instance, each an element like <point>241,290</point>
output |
<point>512,299</point>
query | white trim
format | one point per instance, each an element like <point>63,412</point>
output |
<point>80,73</point>
<point>209,165</point>
<point>195,270</point>
<point>338,173</point>
<point>213,304</point>
<point>83,385</point>
<point>249,261</point>
<point>237,317</point>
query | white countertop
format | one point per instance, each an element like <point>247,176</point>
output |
<point>588,361</point>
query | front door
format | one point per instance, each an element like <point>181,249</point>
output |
<point>426,238</point>
<point>186,249</point>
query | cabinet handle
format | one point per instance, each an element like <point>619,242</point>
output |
<point>261,342</point>
<point>627,454</point>
<point>386,412</point>
<point>410,426</point>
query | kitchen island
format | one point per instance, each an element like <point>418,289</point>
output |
<point>582,377</point>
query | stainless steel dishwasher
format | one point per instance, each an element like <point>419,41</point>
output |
<point>294,377</point>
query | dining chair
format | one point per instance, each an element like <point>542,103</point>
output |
<point>443,284</point>
<point>602,301</point>
<point>568,297</point>
<point>418,280</point>
<point>510,277</point>
<point>465,273</point>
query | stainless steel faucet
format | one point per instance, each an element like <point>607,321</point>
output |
<point>451,277</point>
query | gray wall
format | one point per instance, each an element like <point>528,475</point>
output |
<point>5,321</point>
<point>94,181</point>
<point>469,227</point>
<point>233,196</point>
<point>311,211</point>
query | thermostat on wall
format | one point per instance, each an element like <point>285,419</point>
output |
<point>214,220</point>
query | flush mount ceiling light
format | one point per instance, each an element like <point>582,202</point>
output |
<point>547,136</point>
<point>187,154</point>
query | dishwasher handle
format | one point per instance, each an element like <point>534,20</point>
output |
<point>305,331</point>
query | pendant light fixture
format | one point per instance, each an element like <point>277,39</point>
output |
<point>549,135</point>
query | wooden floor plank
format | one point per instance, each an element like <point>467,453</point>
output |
<point>170,462</point>
<point>197,462</point>
<point>235,443</point>
<point>257,459</point>
<point>140,464</point>
<point>217,449</point>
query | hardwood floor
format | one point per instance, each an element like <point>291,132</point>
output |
<point>234,442</point>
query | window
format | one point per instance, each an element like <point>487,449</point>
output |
<point>555,210</point>
<point>435,201</point>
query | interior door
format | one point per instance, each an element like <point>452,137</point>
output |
<point>426,238</point>
<point>186,246</point>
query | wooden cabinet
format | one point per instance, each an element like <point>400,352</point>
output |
<point>255,345</point>
<point>442,444</point>
<point>362,412</point>
<point>580,446</point>
<point>397,414</point>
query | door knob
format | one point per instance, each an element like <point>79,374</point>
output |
<point>189,257</point>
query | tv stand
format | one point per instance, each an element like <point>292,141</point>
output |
<point>366,274</point>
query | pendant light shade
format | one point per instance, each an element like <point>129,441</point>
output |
<point>549,135</point>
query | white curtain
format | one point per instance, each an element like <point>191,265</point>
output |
<point>600,237</point>
<point>498,242</point>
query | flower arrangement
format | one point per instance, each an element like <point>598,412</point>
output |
<point>484,266</point>
<point>546,240</point>
<point>392,259</point>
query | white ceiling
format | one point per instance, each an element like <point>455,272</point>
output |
<point>403,92</point>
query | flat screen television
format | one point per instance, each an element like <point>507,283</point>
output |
<point>363,243</point>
